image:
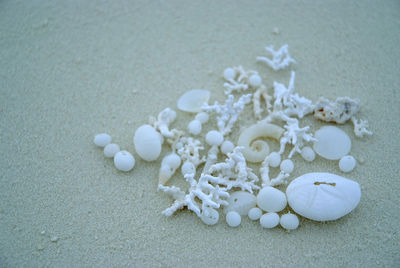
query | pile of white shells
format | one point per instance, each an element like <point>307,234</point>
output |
<point>316,196</point>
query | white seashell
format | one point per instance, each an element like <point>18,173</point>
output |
<point>169,164</point>
<point>194,127</point>
<point>289,221</point>
<point>202,117</point>
<point>254,214</point>
<point>274,159</point>
<point>256,151</point>
<point>269,220</point>
<point>271,199</point>
<point>233,219</point>
<point>214,138</point>
<point>347,163</point>
<point>227,147</point>
<point>287,166</point>
<point>323,196</point>
<point>229,74</point>
<point>147,143</point>
<point>111,149</point>
<point>124,161</point>
<point>241,202</point>
<point>210,216</point>
<point>308,154</point>
<point>102,139</point>
<point>188,168</point>
<point>332,143</point>
<point>193,99</point>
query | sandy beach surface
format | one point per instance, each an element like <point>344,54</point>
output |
<point>71,69</point>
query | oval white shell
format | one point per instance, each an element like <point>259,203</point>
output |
<point>323,196</point>
<point>332,143</point>
<point>241,202</point>
<point>210,216</point>
<point>256,151</point>
<point>289,221</point>
<point>193,99</point>
<point>269,220</point>
<point>271,199</point>
<point>147,143</point>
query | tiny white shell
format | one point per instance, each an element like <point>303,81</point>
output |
<point>271,199</point>
<point>254,214</point>
<point>111,149</point>
<point>194,127</point>
<point>188,168</point>
<point>102,139</point>
<point>269,220</point>
<point>227,147</point>
<point>124,161</point>
<point>233,219</point>
<point>229,73</point>
<point>192,100</point>
<point>289,221</point>
<point>214,137</point>
<point>287,166</point>
<point>255,80</point>
<point>147,143</point>
<point>241,202</point>
<point>202,117</point>
<point>308,153</point>
<point>347,163</point>
<point>210,217</point>
<point>332,143</point>
<point>323,196</point>
<point>274,159</point>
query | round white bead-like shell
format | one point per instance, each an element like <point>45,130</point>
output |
<point>147,143</point>
<point>323,196</point>
<point>332,143</point>
<point>271,199</point>
<point>193,99</point>
<point>241,202</point>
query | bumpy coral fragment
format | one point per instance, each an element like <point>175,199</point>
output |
<point>360,127</point>
<point>261,92</point>
<point>280,58</point>
<point>339,111</point>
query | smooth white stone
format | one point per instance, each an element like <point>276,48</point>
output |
<point>111,149</point>
<point>308,154</point>
<point>102,139</point>
<point>254,214</point>
<point>192,100</point>
<point>147,143</point>
<point>124,161</point>
<point>202,117</point>
<point>289,221</point>
<point>211,217</point>
<point>271,199</point>
<point>323,196</point>
<point>227,147</point>
<point>241,202</point>
<point>233,219</point>
<point>347,163</point>
<point>229,74</point>
<point>274,159</point>
<point>269,220</point>
<point>332,143</point>
<point>255,80</point>
<point>287,166</point>
<point>214,137</point>
<point>194,127</point>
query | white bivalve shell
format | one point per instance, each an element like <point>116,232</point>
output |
<point>193,99</point>
<point>256,150</point>
<point>271,199</point>
<point>147,143</point>
<point>332,143</point>
<point>241,202</point>
<point>323,196</point>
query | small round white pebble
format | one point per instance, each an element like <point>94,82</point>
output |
<point>102,139</point>
<point>289,221</point>
<point>173,160</point>
<point>274,159</point>
<point>124,161</point>
<point>255,80</point>
<point>214,137</point>
<point>194,127</point>
<point>188,168</point>
<point>211,217</point>
<point>254,214</point>
<point>269,220</point>
<point>111,149</point>
<point>347,163</point>
<point>202,117</point>
<point>227,147</point>
<point>229,74</point>
<point>271,199</point>
<point>233,219</point>
<point>287,166</point>
<point>308,154</point>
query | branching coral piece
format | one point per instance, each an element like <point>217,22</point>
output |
<point>280,58</point>
<point>189,150</point>
<point>266,180</point>
<point>261,92</point>
<point>234,173</point>
<point>229,112</point>
<point>164,119</point>
<point>339,111</point>
<point>239,81</point>
<point>360,127</point>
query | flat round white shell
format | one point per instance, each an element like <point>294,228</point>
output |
<point>323,196</point>
<point>241,202</point>
<point>332,143</point>
<point>193,99</point>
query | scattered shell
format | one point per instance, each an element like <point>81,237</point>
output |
<point>347,163</point>
<point>332,143</point>
<point>241,202</point>
<point>169,164</point>
<point>147,143</point>
<point>202,117</point>
<point>308,153</point>
<point>269,220</point>
<point>214,138</point>
<point>254,214</point>
<point>124,161</point>
<point>271,199</point>
<point>111,149</point>
<point>323,196</point>
<point>256,151</point>
<point>102,139</point>
<point>194,127</point>
<point>210,217</point>
<point>289,221</point>
<point>193,99</point>
<point>233,219</point>
<point>274,159</point>
<point>287,166</point>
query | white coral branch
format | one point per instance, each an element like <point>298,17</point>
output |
<point>261,92</point>
<point>280,58</point>
<point>360,127</point>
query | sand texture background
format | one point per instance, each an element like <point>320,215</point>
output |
<point>71,69</point>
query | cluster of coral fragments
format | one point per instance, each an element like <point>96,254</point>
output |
<point>219,179</point>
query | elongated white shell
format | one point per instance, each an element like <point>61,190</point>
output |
<point>323,196</point>
<point>193,99</point>
<point>256,151</point>
<point>147,143</point>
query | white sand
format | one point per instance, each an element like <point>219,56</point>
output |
<point>71,69</point>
